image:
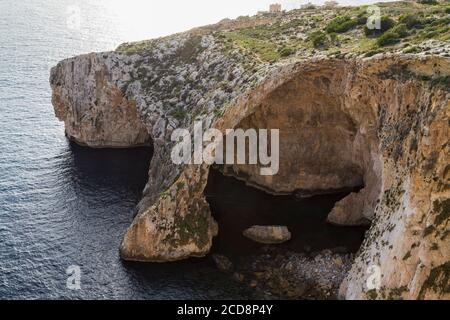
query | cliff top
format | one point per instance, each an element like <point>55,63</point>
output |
<point>336,32</point>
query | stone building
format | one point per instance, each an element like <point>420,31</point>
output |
<point>330,4</point>
<point>275,8</point>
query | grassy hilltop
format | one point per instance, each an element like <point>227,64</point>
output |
<point>334,32</point>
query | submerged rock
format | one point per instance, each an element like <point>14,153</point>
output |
<point>268,234</point>
<point>299,276</point>
<point>238,277</point>
<point>223,263</point>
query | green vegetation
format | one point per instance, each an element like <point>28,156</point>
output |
<point>286,51</point>
<point>438,280</point>
<point>372,294</point>
<point>265,50</point>
<point>412,50</point>
<point>444,83</point>
<point>341,24</point>
<point>179,114</point>
<point>193,228</point>
<point>386,24</point>
<point>442,209</point>
<point>345,31</point>
<point>318,39</point>
<point>433,2</point>
<point>135,47</point>
<point>410,20</point>
<point>393,35</point>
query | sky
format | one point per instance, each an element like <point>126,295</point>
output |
<point>145,19</point>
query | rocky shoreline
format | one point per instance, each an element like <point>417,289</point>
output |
<point>282,274</point>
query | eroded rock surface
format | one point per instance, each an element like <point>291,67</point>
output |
<point>268,234</point>
<point>95,111</point>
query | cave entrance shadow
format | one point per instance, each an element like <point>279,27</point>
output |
<point>236,207</point>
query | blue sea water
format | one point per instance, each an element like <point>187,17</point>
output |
<point>62,205</point>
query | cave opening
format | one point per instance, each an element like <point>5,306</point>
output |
<point>237,206</point>
<point>325,189</point>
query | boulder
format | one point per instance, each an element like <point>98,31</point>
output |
<point>268,234</point>
<point>223,263</point>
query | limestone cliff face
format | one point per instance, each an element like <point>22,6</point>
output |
<point>379,123</point>
<point>87,97</point>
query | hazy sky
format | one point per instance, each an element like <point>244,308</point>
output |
<point>143,19</point>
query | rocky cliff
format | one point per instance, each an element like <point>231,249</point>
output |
<point>94,109</point>
<point>346,120</point>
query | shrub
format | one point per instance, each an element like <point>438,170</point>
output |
<point>387,38</point>
<point>386,24</point>
<point>439,22</point>
<point>372,53</point>
<point>179,114</point>
<point>341,24</point>
<point>447,10</point>
<point>428,1</point>
<point>412,50</point>
<point>286,51</point>
<point>362,20</point>
<point>393,35</point>
<point>431,34</point>
<point>411,21</point>
<point>334,38</point>
<point>318,39</point>
<point>401,30</point>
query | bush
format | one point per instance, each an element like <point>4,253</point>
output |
<point>286,52</point>
<point>428,1</point>
<point>411,21</point>
<point>386,24</point>
<point>401,30</point>
<point>362,20</point>
<point>387,38</point>
<point>334,38</point>
<point>438,22</point>
<point>341,24</point>
<point>318,39</point>
<point>431,34</point>
<point>372,53</point>
<point>412,50</point>
<point>393,35</point>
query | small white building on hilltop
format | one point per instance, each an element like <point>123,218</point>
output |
<point>330,4</point>
<point>275,8</point>
<point>307,6</point>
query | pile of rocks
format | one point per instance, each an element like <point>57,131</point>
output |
<point>289,275</point>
